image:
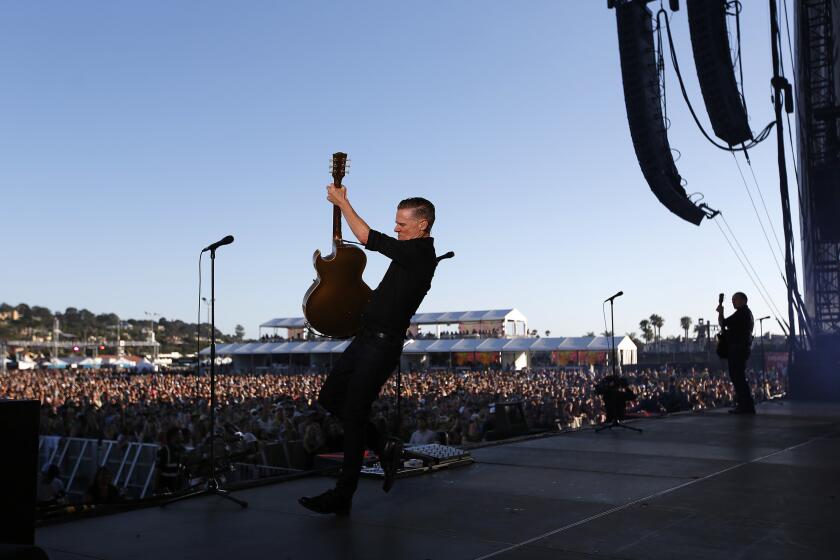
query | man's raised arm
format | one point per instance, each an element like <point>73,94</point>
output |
<point>338,196</point>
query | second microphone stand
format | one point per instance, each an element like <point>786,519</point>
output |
<point>616,423</point>
<point>212,487</point>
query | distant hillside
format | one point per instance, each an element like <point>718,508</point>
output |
<point>22,322</point>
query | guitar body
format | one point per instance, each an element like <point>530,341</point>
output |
<point>334,303</point>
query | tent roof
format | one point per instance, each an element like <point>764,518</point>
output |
<point>440,318</point>
<point>247,348</point>
<point>285,323</point>
<point>423,346</point>
<point>462,316</point>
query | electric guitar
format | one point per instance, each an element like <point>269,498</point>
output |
<point>722,346</point>
<point>333,304</point>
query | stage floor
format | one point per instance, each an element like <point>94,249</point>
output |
<point>705,485</point>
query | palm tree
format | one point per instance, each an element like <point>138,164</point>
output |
<point>647,331</point>
<point>656,321</point>
<point>685,323</point>
<point>700,330</point>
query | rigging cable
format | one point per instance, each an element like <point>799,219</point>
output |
<point>763,203</point>
<point>770,306</point>
<point>787,115</point>
<point>757,139</point>
<point>758,217</point>
<point>749,263</point>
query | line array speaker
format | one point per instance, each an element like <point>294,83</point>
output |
<point>642,97</point>
<point>715,72</point>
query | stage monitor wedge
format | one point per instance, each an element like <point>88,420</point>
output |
<point>642,97</point>
<point>715,71</point>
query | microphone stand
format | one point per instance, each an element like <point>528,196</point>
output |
<point>616,420</point>
<point>212,487</point>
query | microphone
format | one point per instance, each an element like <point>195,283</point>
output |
<point>226,240</point>
<point>448,255</point>
<point>613,297</point>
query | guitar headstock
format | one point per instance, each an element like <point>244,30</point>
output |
<point>339,167</point>
<point>720,299</point>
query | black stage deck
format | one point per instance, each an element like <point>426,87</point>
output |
<point>708,485</point>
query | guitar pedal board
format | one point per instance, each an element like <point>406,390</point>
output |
<point>421,459</point>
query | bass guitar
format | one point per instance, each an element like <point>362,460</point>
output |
<point>334,302</point>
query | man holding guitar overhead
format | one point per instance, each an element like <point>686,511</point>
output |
<point>364,367</point>
<point>736,331</point>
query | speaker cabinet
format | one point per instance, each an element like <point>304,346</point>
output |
<point>642,97</point>
<point>19,470</point>
<point>715,72</point>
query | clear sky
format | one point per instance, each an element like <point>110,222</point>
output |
<point>132,134</point>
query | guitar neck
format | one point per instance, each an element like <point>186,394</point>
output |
<point>336,225</point>
<point>339,166</point>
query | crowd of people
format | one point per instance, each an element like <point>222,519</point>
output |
<point>141,407</point>
<point>453,407</point>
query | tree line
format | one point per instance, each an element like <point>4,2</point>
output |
<point>24,322</point>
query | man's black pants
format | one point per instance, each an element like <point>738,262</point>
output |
<point>349,391</point>
<point>738,376</point>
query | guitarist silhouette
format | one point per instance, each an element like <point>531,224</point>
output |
<point>736,333</point>
<point>367,363</point>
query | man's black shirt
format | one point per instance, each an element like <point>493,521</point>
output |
<point>739,328</point>
<point>405,284</point>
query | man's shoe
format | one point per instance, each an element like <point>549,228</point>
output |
<point>328,502</point>
<point>390,461</point>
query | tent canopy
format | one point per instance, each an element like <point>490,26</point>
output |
<point>425,346</point>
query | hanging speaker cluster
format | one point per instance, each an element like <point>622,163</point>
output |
<point>715,72</point>
<point>642,97</point>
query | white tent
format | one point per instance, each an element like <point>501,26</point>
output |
<point>90,363</point>
<point>145,365</point>
<point>122,362</point>
<point>55,363</point>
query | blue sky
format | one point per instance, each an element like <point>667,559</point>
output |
<point>134,134</point>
